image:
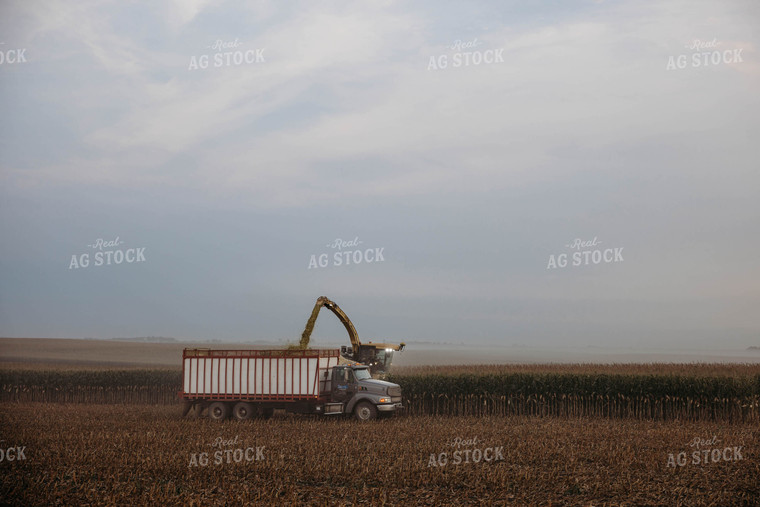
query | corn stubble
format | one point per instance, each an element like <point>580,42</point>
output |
<point>141,455</point>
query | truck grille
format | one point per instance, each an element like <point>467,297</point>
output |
<point>394,391</point>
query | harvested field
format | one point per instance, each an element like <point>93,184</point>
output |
<point>86,454</point>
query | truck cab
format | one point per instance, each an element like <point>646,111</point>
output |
<point>354,391</point>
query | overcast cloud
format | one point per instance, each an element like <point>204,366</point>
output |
<point>466,181</point>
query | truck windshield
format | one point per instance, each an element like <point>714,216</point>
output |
<point>362,373</point>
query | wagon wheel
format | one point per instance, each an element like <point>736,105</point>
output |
<point>242,411</point>
<point>218,411</point>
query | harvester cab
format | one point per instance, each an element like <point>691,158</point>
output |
<point>378,356</point>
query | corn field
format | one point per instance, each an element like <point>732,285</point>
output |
<point>681,369</point>
<point>571,405</point>
<point>660,397</point>
<point>136,394</point>
<point>154,387</point>
<point>731,394</point>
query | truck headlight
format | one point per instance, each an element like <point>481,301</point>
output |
<point>385,400</point>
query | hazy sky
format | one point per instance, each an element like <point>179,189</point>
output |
<point>467,145</point>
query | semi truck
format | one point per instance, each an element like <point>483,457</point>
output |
<point>247,383</point>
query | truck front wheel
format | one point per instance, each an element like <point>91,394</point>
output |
<point>365,411</point>
<point>218,411</point>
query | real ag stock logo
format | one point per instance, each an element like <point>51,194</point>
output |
<point>107,254</point>
<point>11,56</point>
<point>584,253</point>
<point>706,451</point>
<point>467,450</point>
<point>345,253</point>
<point>704,54</point>
<point>227,452</point>
<point>226,54</point>
<point>13,453</point>
<point>465,54</point>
